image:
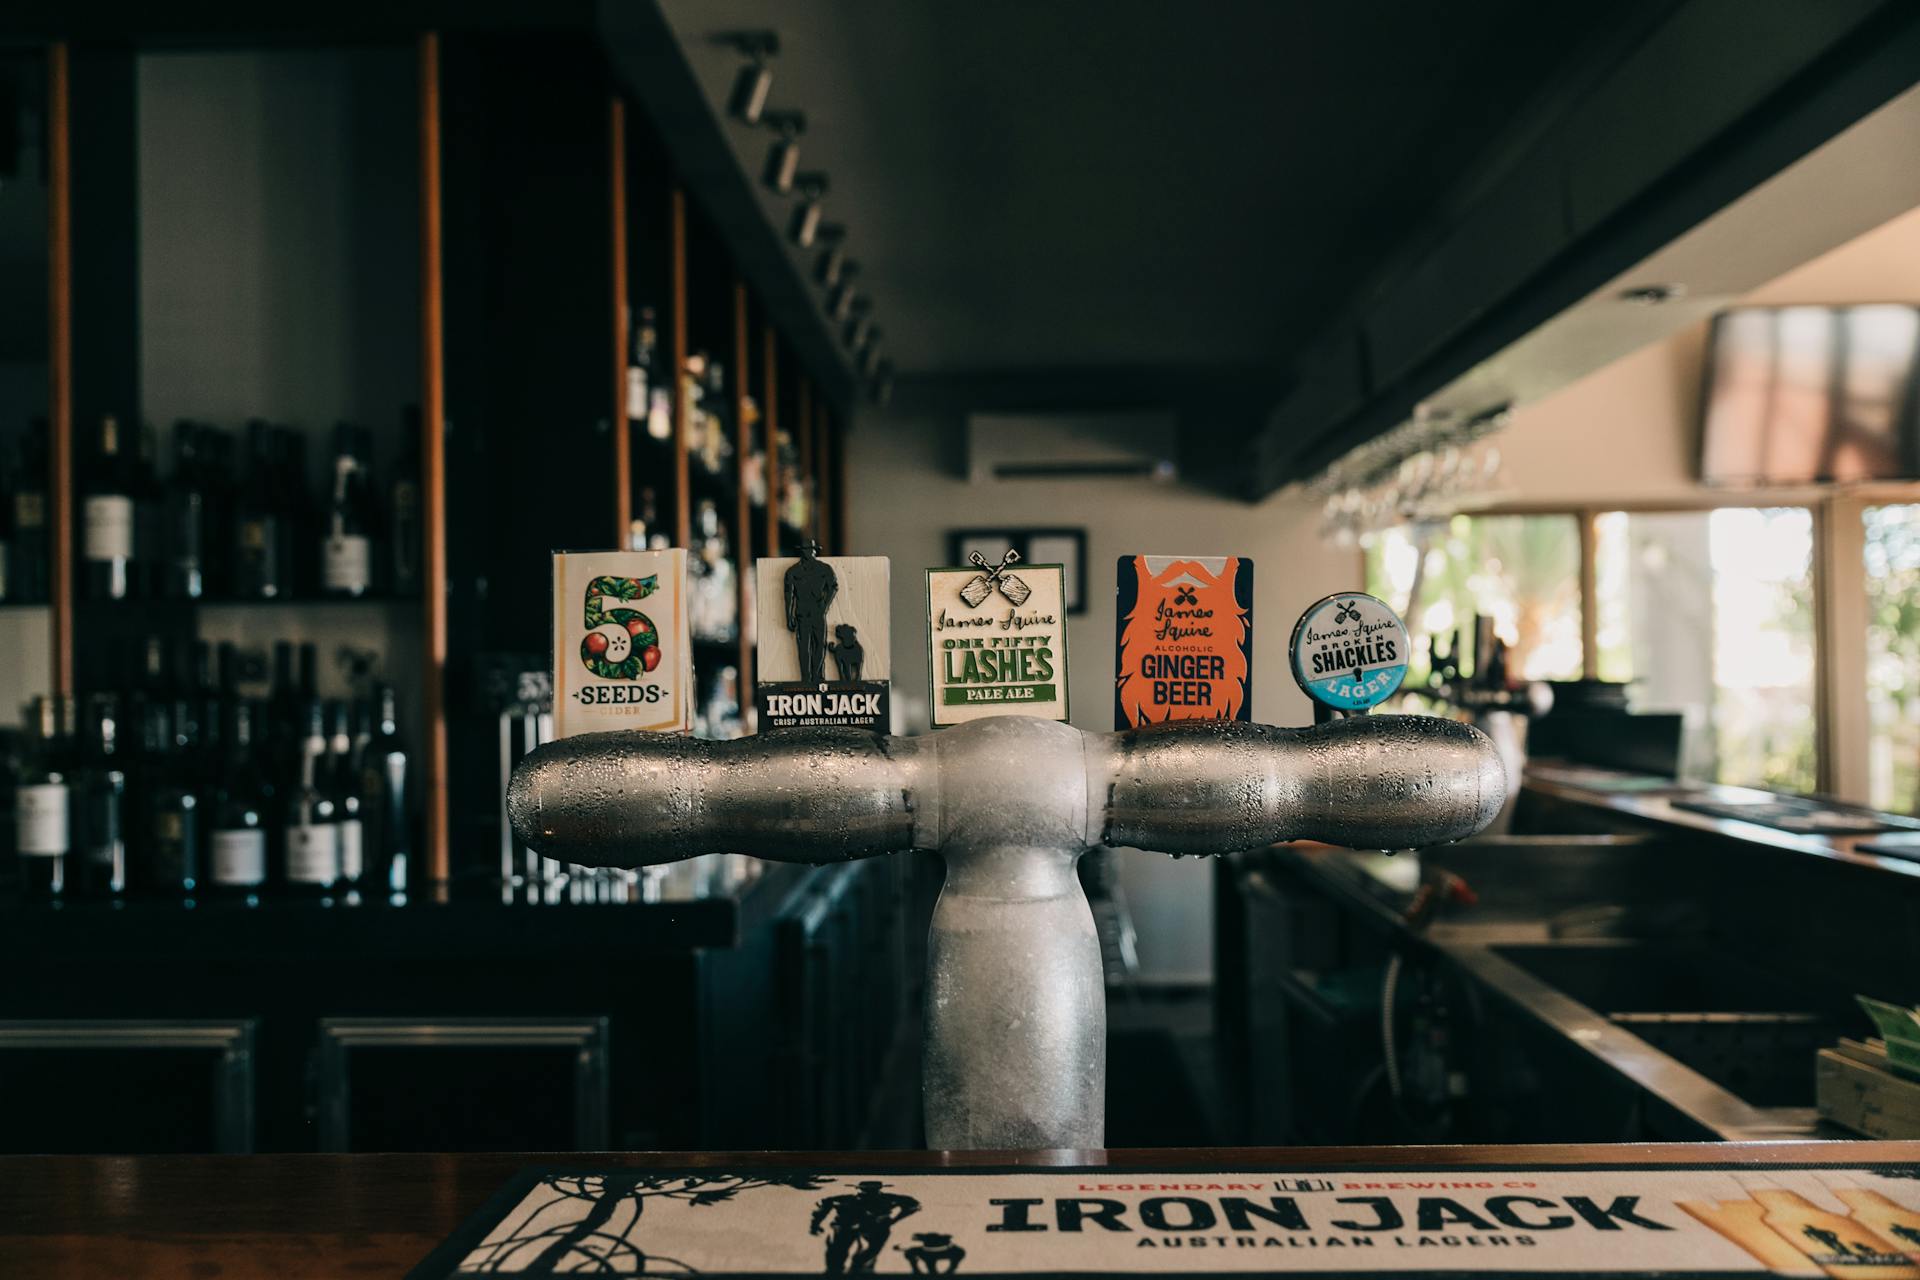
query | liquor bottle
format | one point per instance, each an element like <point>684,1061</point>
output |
<point>1835,1243</point>
<point>311,835</point>
<point>186,520</point>
<point>343,787</point>
<point>108,511</point>
<point>347,551</point>
<point>640,367</point>
<point>242,801</point>
<point>386,799</point>
<point>259,559</point>
<point>28,558</point>
<point>646,519</point>
<point>99,794</point>
<point>718,443</point>
<point>403,506</point>
<point>148,569</point>
<point>42,812</point>
<point>754,471</point>
<point>660,413</point>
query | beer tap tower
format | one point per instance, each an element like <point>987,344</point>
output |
<point>1016,1003</point>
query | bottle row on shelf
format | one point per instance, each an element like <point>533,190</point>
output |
<point>716,429</point>
<point>178,786</point>
<point>219,525</point>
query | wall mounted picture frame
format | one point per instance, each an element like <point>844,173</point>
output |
<point>1064,547</point>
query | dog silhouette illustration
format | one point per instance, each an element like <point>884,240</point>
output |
<point>848,655</point>
<point>935,1255</point>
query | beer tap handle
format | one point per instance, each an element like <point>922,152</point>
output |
<point>641,799</point>
<point>1379,782</point>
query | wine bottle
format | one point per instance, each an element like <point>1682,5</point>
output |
<point>304,531</point>
<point>169,861</point>
<point>343,785</point>
<point>242,800</point>
<point>148,568</point>
<point>259,560</point>
<point>99,803</point>
<point>108,512</point>
<point>386,799</point>
<point>7,587</point>
<point>346,554</point>
<point>186,522</point>
<point>41,806</point>
<point>28,561</point>
<point>403,509</point>
<point>311,834</point>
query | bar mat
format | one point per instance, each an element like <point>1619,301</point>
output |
<point>1467,1220</point>
<point>1801,817</point>
<point>1901,844</point>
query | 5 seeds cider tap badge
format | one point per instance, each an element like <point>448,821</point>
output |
<point>1184,643</point>
<point>621,657</point>
<point>824,647</point>
<point>997,640</point>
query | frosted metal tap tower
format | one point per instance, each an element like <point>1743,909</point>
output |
<point>1016,1004</point>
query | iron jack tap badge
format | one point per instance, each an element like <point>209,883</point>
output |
<point>1349,651</point>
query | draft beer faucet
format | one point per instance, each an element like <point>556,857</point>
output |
<point>1016,1002</point>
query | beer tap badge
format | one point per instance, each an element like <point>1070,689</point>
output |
<point>1349,651</point>
<point>997,640</point>
<point>1184,644</point>
<point>621,656</point>
<point>824,649</point>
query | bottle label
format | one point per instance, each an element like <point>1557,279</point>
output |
<point>313,854</point>
<point>352,861</point>
<point>109,534</point>
<point>349,562</point>
<point>240,856</point>
<point>29,510</point>
<point>40,819</point>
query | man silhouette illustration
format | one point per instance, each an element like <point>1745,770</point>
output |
<point>811,586</point>
<point>862,1218</point>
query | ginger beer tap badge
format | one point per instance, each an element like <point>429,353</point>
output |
<point>824,650</point>
<point>997,640</point>
<point>1183,643</point>
<point>1349,651</point>
<point>621,653</point>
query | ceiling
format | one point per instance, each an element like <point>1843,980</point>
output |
<point>1138,184</point>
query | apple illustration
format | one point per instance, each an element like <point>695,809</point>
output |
<point>650,657</point>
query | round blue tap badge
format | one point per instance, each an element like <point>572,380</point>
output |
<point>1349,651</point>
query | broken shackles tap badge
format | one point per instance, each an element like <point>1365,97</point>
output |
<point>997,641</point>
<point>824,649</point>
<point>621,657</point>
<point>1349,652</point>
<point>1184,643</point>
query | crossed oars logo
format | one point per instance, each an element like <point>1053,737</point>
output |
<point>982,585</point>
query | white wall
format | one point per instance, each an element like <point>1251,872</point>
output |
<point>1630,432</point>
<point>906,488</point>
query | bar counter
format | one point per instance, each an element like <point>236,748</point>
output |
<point>379,1215</point>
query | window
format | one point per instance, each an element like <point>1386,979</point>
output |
<point>1524,571</point>
<point>1892,556</point>
<point>1711,613</point>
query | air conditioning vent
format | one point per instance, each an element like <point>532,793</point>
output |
<point>1070,446</point>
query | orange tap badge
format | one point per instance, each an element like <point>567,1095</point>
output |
<point>1184,640</point>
